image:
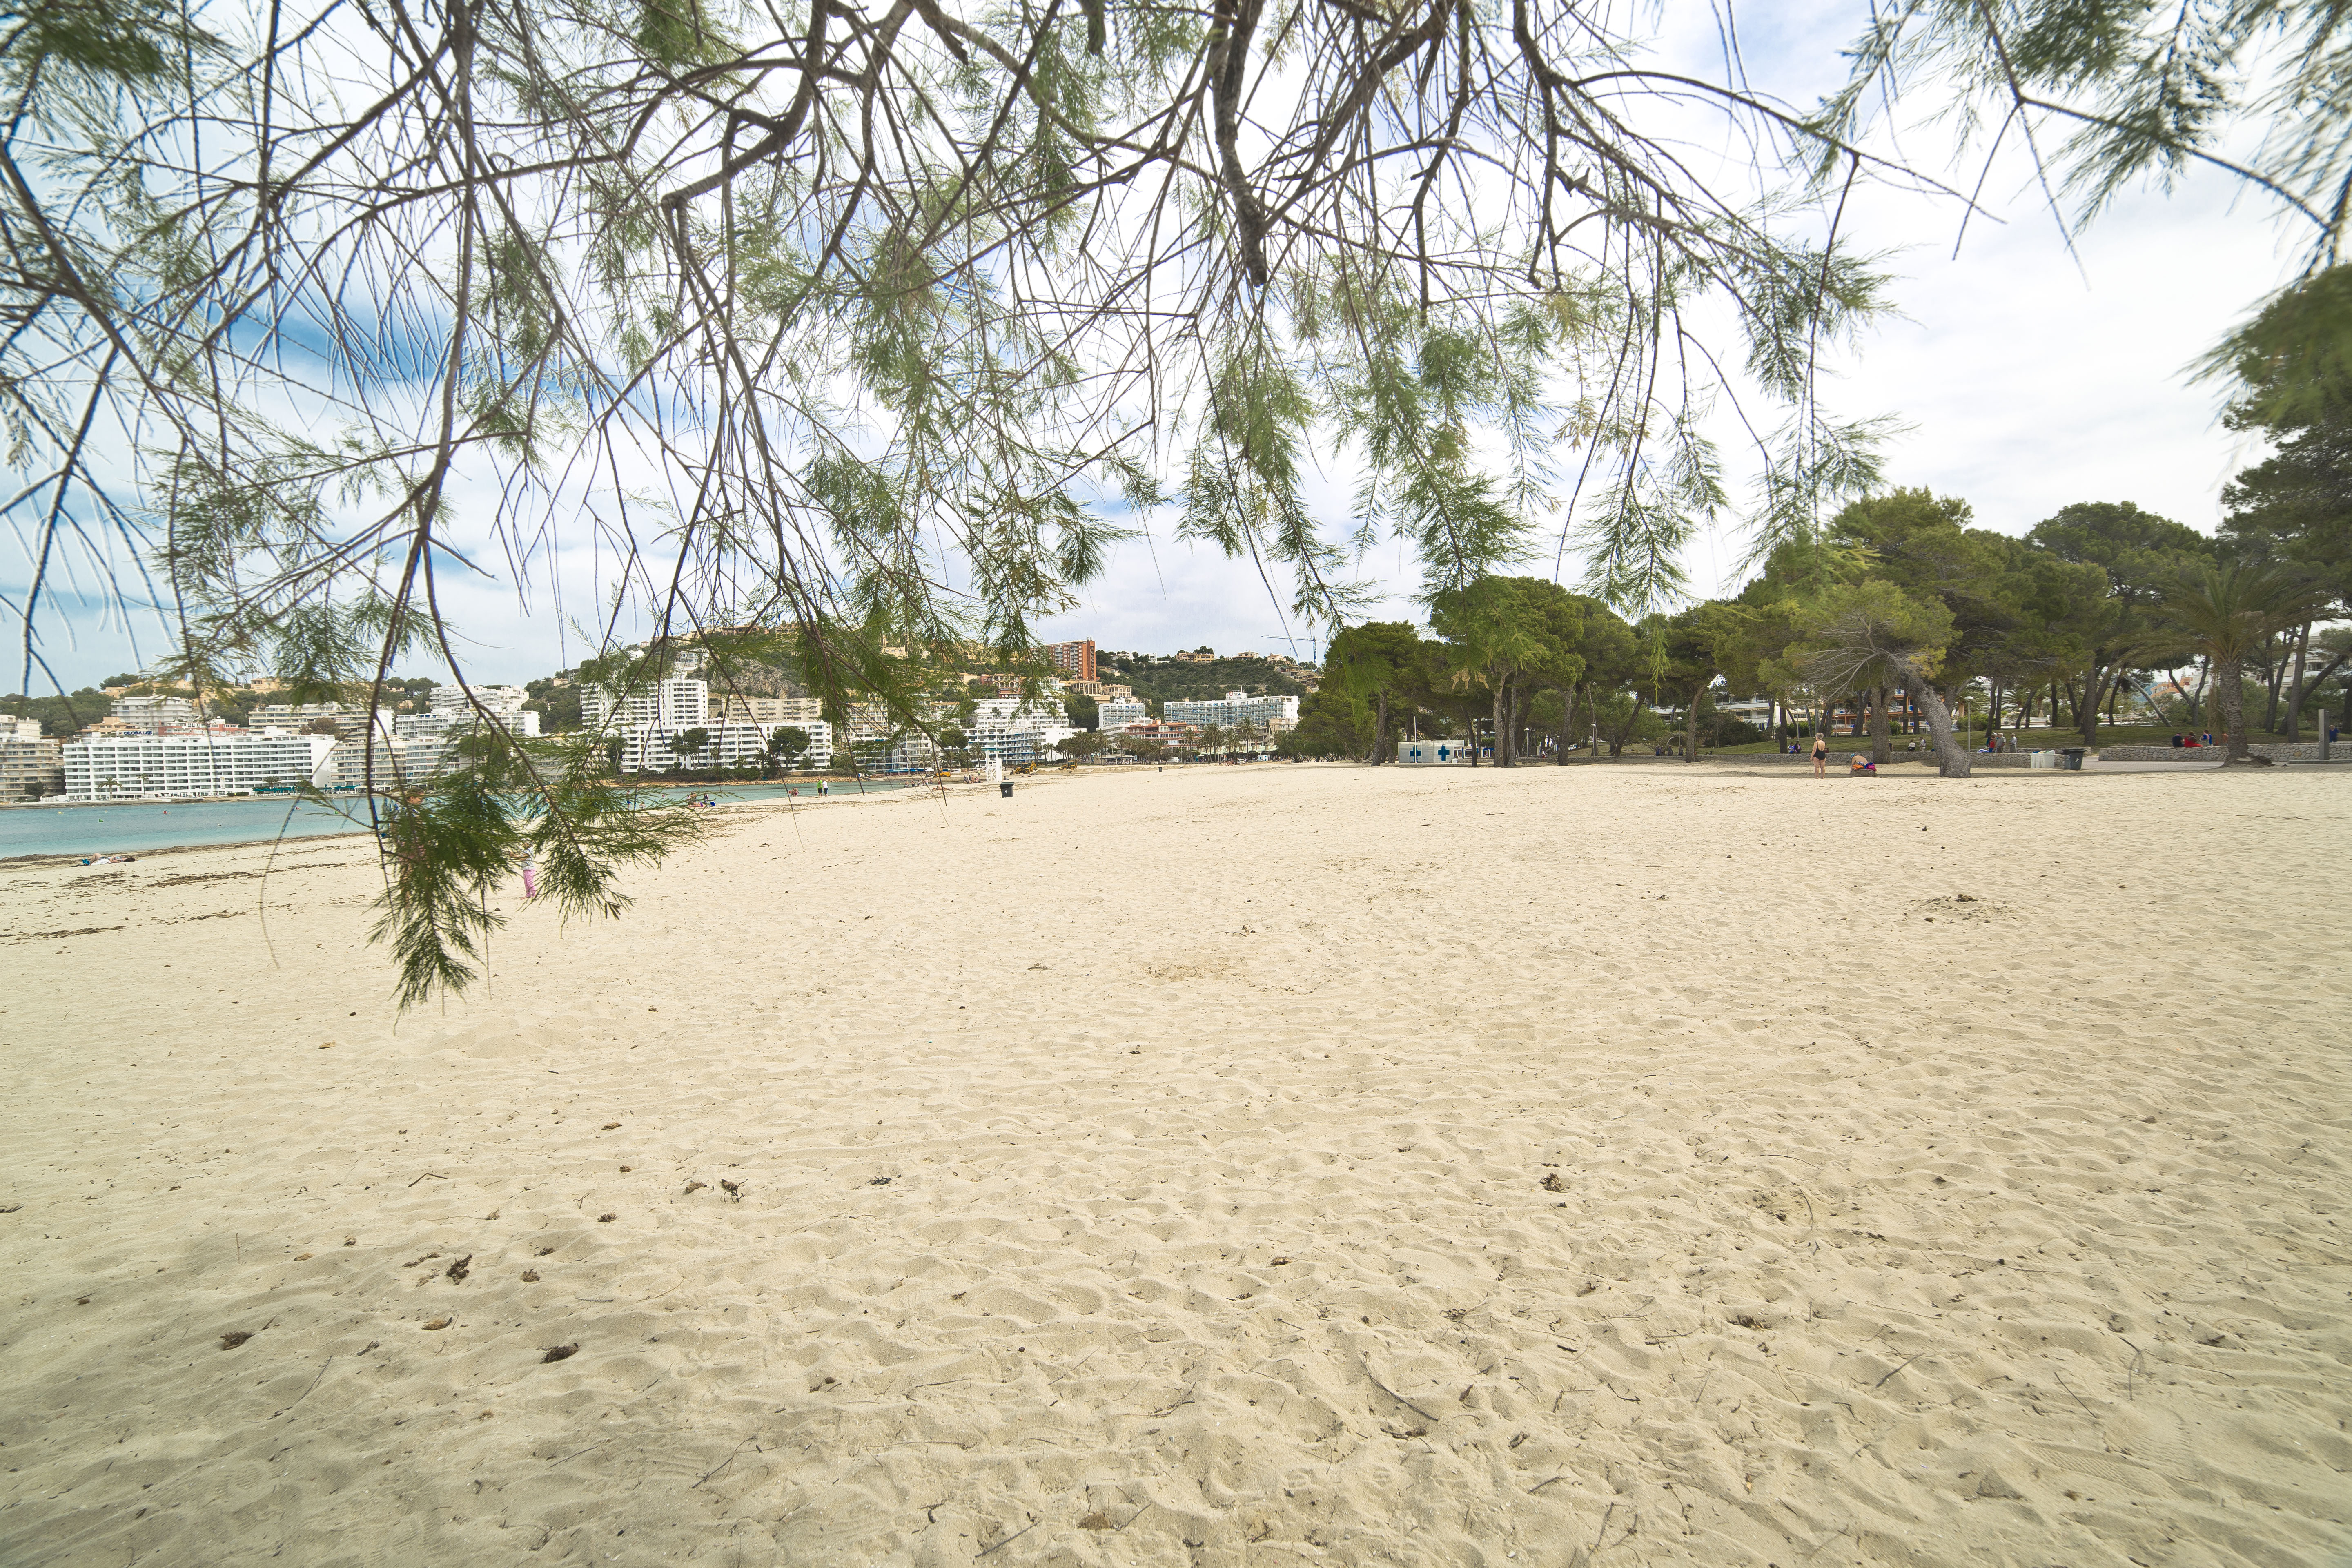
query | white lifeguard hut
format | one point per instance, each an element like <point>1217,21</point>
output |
<point>1430,753</point>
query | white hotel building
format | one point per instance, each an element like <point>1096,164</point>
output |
<point>1118,712</point>
<point>1268,715</point>
<point>192,763</point>
<point>1015,732</point>
<point>647,721</point>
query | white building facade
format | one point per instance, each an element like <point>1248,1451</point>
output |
<point>737,729</point>
<point>185,766</point>
<point>30,766</point>
<point>1269,716</point>
<point>154,713</point>
<point>499,699</point>
<point>672,705</point>
<point>1118,712</point>
<point>1015,732</point>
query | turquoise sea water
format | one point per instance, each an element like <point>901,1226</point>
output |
<point>127,827</point>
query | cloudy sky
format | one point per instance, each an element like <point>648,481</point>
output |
<point>2027,375</point>
<point>2033,368</point>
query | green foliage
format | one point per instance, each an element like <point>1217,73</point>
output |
<point>1502,629</point>
<point>1332,723</point>
<point>2292,360</point>
<point>2223,611</point>
<point>1621,718</point>
<point>2295,506</point>
<point>679,33</point>
<point>62,716</point>
<point>1375,657</point>
<point>557,703</point>
<point>108,39</point>
<point>449,842</point>
<point>1854,636</point>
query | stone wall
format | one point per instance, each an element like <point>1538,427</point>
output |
<point>2277,751</point>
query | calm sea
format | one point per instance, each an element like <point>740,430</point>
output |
<point>128,827</point>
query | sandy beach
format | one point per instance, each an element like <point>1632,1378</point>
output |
<point>1224,1166</point>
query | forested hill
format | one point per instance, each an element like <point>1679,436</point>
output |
<point>1158,681</point>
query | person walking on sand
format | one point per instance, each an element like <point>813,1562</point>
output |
<point>1821,757</point>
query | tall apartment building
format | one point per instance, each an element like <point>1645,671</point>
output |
<point>747,743</point>
<point>499,699</point>
<point>1272,715</point>
<point>396,762</point>
<point>880,745</point>
<point>773,712</point>
<point>300,716</point>
<point>1076,659</point>
<point>677,703</point>
<point>154,713</point>
<point>736,728</point>
<point>448,723</point>
<point>1118,712</point>
<point>29,763</point>
<point>1014,732</point>
<point>146,766</point>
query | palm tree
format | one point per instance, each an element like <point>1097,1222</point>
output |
<point>2223,612</point>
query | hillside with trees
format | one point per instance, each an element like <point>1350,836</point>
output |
<point>1158,679</point>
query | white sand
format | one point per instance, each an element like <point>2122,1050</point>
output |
<point>1238,1166</point>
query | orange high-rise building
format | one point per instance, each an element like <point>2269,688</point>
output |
<point>1075,660</point>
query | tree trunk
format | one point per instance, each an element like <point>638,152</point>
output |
<point>2294,692</point>
<point>1881,750</point>
<point>1951,755</point>
<point>2094,694</point>
<point>1567,697</point>
<point>2274,672</point>
<point>1381,730</point>
<point>2230,697</point>
<point>2303,690</point>
<point>1690,733</point>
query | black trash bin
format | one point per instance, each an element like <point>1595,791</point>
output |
<point>1005,789</point>
<point>2074,755</point>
